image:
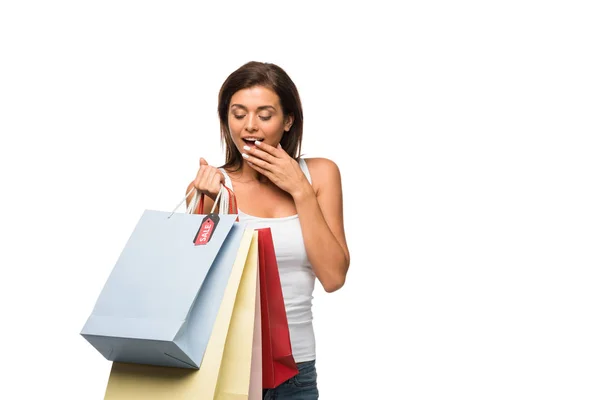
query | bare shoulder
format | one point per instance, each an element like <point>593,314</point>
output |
<point>321,166</point>
<point>324,172</point>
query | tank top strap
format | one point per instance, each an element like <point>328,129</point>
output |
<point>304,169</point>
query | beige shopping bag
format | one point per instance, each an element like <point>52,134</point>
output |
<point>256,386</point>
<point>225,369</point>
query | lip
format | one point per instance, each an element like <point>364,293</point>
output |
<point>250,142</point>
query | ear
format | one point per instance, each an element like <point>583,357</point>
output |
<point>289,121</point>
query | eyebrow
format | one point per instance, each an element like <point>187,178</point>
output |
<point>259,108</point>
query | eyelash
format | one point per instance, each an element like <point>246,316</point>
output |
<point>261,118</point>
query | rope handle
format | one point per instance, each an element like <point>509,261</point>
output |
<point>230,203</point>
<point>226,201</point>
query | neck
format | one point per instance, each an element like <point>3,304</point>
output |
<point>248,174</point>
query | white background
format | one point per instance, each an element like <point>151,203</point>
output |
<point>467,137</point>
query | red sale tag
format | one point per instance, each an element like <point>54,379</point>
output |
<point>207,228</point>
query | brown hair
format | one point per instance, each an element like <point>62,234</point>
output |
<point>270,76</point>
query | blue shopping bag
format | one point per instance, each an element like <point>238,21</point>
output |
<point>161,299</point>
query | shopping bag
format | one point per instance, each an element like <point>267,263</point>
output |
<point>163,294</point>
<point>278,361</point>
<point>225,370</point>
<point>226,367</point>
<point>256,387</point>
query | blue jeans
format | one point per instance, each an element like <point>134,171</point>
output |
<point>301,387</point>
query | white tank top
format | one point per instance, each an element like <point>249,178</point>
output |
<point>295,272</point>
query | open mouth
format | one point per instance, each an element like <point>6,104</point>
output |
<point>251,140</point>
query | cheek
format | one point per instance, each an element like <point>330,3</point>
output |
<point>235,127</point>
<point>273,128</point>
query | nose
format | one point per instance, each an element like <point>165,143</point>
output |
<point>251,123</point>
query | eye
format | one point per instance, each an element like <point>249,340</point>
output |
<point>236,116</point>
<point>264,118</point>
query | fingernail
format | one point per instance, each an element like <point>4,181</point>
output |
<point>279,145</point>
<point>257,142</point>
<point>246,148</point>
<point>244,155</point>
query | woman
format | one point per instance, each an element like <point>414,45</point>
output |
<point>300,200</point>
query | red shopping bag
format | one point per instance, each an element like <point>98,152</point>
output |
<point>278,363</point>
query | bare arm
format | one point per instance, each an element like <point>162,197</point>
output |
<point>320,211</point>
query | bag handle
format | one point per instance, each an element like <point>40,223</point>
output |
<point>232,202</point>
<point>197,202</point>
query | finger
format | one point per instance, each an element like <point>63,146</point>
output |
<point>267,148</point>
<point>221,176</point>
<point>204,178</point>
<point>257,161</point>
<point>216,180</point>
<point>259,169</point>
<point>196,182</point>
<point>199,178</point>
<point>211,182</point>
<point>201,172</point>
<point>205,171</point>
<point>260,153</point>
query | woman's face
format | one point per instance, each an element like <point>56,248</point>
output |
<point>255,114</point>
